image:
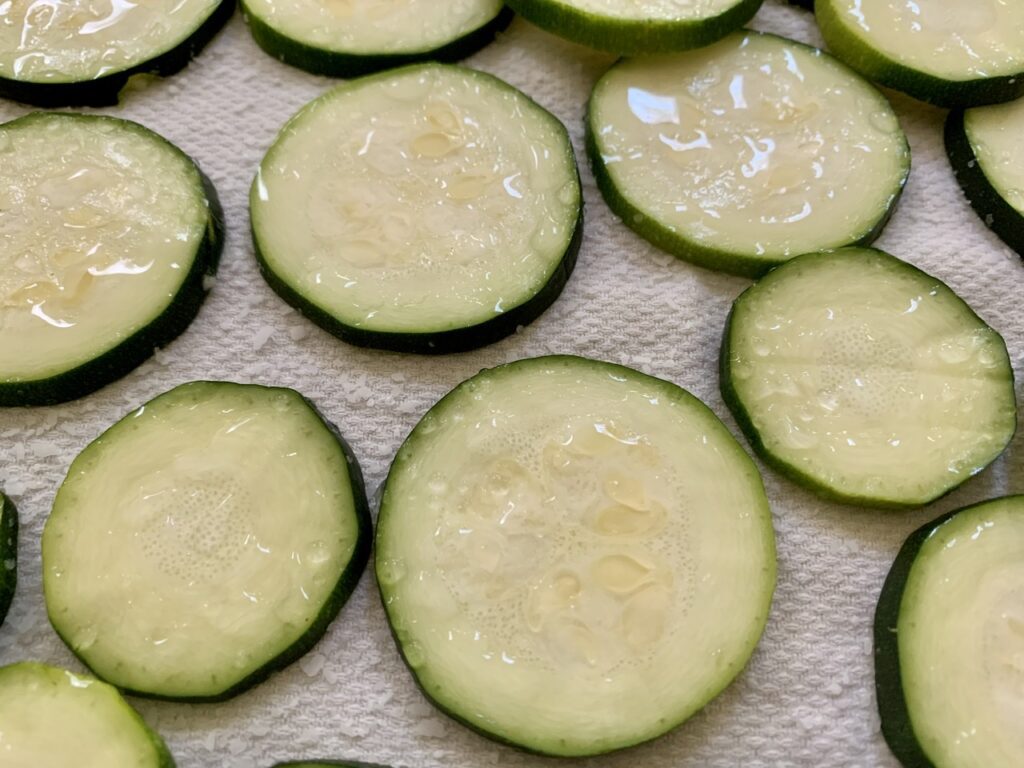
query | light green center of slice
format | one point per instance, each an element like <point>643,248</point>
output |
<point>995,136</point>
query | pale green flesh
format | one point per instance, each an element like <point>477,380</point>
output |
<point>50,718</point>
<point>60,41</point>
<point>426,199</point>
<point>375,26</point>
<point>870,378</point>
<point>755,145</point>
<point>961,639</point>
<point>647,10</point>
<point>995,134</point>
<point>100,222</point>
<point>199,538</point>
<point>563,541</point>
<point>952,39</point>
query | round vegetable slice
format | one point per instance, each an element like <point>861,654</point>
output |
<point>780,150</point>
<point>67,52</point>
<point>640,26</point>
<point>96,727</point>
<point>866,379</point>
<point>428,209</point>
<point>948,633</point>
<point>204,541</point>
<point>952,53</point>
<point>563,540</point>
<point>356,37</point>
<point>8,554</point>
<point>984,148</point>
<point>107,233</point>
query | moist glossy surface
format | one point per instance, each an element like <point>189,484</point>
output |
<point>995,137</point>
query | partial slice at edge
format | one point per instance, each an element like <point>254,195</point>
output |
<point>950,53</point>
<point>562,541</point>
<point>73,74</point>
<point>40,704</point>
<point>8,554</point>
<point>866,380</point>
<point>985,150</point>
<point>784,151</point>
<point>108,252</point>
<point>428,209</point>
<point>948,631</point>
<point>637,28</point>
<point>323,42</point>
<point>205,541</point>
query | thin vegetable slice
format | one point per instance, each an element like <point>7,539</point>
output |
<point>357,37</point>
<point>641,26</point>
<point>741,155</point>
<point>985,150</point>
<point>948,634</point>
<point>68,52</point>
<point>204,541</point>
<point>8,554</point>
<point>562,541</point>
<point>427,209</point>
<point>951,53</point>
<point>866,379</point>
<point>108,234</point>
<point>52,717</point>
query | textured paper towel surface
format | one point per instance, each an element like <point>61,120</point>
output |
<point>806,699</point>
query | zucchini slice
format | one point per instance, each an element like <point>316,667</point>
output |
<point>563,541</point>
<point>782,150</point>
<point>427,209</point>
<point>639,26</point>
<point>866,380</point>
<point>985,150</point>
<point>951,53</point>
<point>348,38</point>
<point>52,717</point>
<point>71,53</point>
<point>949,630</point>
<point>107,232</point>
<point>8,554</point>
<point>204,541</point>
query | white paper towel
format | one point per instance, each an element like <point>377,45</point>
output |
<point>806,698</point>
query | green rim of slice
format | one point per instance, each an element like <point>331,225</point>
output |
<point>891,69</point>
<point>332,60</point>
<point>866,380</point>
<point>634,35</point>
<point>82,310</point>
<point>976,140</point>
<point>945,630</point>
<point>8,554</point>
<point>738,174</point>
<point>39,702</point>
<point>205,541</point>
<point>432,226</point>
<point>537,555</point>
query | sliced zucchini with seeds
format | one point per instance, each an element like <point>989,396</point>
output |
<point>427,209</point>
<point>52,718</point>
<point>741,155</point>
<point>204,541</point>
<point>984,147</point>
<point>640,26</point>
<point>107,235</point>
<point>949,633</point>
<point>8,554</point>
<point>348,38</point>
<point>866,379</point>
<point>951,53</point>
<point>562,541</point>
<point>67,52</point>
